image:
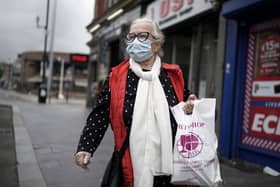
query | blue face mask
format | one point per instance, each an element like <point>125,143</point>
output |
<point>139,51</point>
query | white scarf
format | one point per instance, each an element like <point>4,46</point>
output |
<point>150,137</point>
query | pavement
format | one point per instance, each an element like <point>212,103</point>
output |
<point>38,141</point>
<point>8,161</point>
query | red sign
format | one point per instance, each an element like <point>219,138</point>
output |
<point>172,5</point>
<point>269,54</point>
<point>79,58</point>
<point>265,123</point>
<point>169,12</point>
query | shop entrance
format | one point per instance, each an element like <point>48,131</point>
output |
<point>260,133</point>
<point>194,50</point>
<point>204,71</point>
<point>114,53</point>
<point>177,50</point>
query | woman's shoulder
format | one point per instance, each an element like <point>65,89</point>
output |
<point>119,69</point>
<point>171,67</point>
<point>123,65</point>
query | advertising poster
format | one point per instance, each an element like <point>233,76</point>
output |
<point>261,117</point>
<point>269,53</point>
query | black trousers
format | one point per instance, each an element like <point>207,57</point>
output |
<point>164,181</point>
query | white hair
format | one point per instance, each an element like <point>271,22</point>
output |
<point>156,31</point>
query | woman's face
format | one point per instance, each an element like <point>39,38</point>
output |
<point>146,27</point>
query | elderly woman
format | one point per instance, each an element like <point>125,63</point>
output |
<point>138,95</point>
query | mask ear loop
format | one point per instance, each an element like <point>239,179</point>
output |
<point>159,52</point>
<point>156,40</point>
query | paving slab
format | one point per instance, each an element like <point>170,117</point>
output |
<point>28,169</point>
<point>8,162</point>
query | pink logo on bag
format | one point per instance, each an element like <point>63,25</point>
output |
<point>189,145</point>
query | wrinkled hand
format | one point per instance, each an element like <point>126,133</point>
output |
<point>188,108</point>
<point>82,159</point>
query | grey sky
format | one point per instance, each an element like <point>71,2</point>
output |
<point>18,32</point>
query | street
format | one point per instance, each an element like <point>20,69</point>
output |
<point>54,131</point>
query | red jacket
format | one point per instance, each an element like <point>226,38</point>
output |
<point>117,83</point>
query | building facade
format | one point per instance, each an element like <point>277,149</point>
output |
<point>7,77</point>
<point>108,28</point>
<point>250,128</point>
<point>191,31</point>
<point>69,70</point>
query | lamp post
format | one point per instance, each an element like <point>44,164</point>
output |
<point>42,89</point>
<point>49,84</point>
<point>10,73</point>
<point>45,27</point>
<point>60,91</point>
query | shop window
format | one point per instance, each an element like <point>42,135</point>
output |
<point>208,59</point>
<point>183,52</point>
<point>177,50</point>
<point>114,53</point>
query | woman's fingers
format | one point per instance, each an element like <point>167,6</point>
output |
<point>82,159</point>
<point>188,108</point>
<point>86,159</point>
<point>192,97</point>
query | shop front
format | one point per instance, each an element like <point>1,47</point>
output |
<point>111,42</point>
<point>191,35</point>
<point>251,97</point>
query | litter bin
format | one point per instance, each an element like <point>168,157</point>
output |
<point>42,93</point>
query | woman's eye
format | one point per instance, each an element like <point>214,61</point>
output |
<point>142,37</point>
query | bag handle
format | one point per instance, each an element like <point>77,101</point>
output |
<point>125,144</point>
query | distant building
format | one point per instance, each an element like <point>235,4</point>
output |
<point>6,75</point>
<point>75,68</point>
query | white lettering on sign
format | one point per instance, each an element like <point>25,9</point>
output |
<point>262,123</point>
<point>195,124</point>
<point>270,45</point>
<point>167,6</point>
<point>169,12</point>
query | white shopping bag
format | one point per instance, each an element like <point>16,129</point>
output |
<point>195,157</point>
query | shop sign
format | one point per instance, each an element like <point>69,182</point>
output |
<point>79,58</point>
<point>169,12</point>
<point>265,122</point>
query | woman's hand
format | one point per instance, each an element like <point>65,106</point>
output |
<point>82,159</point>
<point>188,108</point>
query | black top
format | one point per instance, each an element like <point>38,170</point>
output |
<point>98,120</point>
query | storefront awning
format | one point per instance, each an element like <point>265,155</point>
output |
<point>240,9</point>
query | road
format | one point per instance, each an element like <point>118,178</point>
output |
<point>54,130</point>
